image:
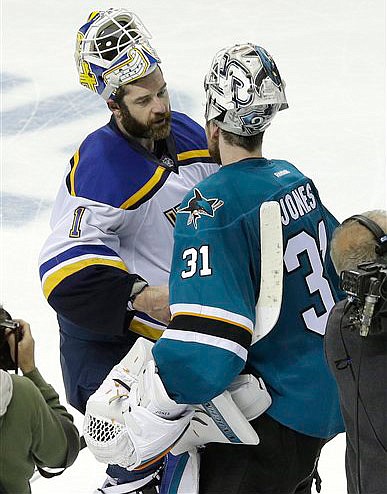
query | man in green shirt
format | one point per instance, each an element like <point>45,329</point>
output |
<point>35,429</point>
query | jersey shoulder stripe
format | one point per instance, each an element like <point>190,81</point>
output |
<point>155,182</point>
<point>190,140</point>
<point>111,169</point>
<point>73,168</point>
<point>188,157</point>
<point>147,190</point>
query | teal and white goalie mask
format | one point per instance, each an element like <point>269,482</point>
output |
<point>112,49</point>
<point>244,90</point>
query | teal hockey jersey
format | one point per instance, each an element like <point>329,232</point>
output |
<point>214,289</point>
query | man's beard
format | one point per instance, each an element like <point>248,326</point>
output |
<point>150,130</point>
<point>213,148</point>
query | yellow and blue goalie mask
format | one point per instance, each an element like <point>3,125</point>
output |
<point>112,49</point>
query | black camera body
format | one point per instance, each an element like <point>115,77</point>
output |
<point>368,278</point>
<point>366,288</point>
<point>6,322</point>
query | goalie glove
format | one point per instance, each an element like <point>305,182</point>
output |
<point>130,420</point>
<point>154,422</point>
<point>104,427</point>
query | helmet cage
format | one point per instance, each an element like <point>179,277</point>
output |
<point>106,27</point>
<point>113,49</point>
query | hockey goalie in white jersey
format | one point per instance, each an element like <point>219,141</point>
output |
<point>113,219</point>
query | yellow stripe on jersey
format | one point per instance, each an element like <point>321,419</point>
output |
<point>205,316</point>
<point>53,280</point>
<point>72,174</point>
<point>144,189</point>
<point>145,330</point>
<point>196,153</point>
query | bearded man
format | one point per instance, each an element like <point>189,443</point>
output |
<point>105,266</point>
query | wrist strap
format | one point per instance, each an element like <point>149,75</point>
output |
<point>138,286</point>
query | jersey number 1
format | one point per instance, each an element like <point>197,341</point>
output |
<point>75,231</point>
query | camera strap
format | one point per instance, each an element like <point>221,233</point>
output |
<point>74,445</point>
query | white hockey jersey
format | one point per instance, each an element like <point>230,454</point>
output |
<point>113,219</point>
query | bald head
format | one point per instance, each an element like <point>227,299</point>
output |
<point>353,243</point>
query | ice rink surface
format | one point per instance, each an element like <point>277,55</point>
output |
<point>331,54</point>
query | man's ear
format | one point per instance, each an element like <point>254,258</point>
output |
<point>212,130</point>
<point>113,107</point>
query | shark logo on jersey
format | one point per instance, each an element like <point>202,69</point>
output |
<point>199,206</point>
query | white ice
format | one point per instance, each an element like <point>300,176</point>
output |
<point>331,54</point>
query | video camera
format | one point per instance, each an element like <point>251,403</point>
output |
<point>6,322</point>
<point>367,290</point>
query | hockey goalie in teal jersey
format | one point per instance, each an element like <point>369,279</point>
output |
<point>216,279</point>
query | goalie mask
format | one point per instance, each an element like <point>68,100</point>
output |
<point>244,90</point>
<point>112,49</point>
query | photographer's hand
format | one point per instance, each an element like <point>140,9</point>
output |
<point>26,357</point>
